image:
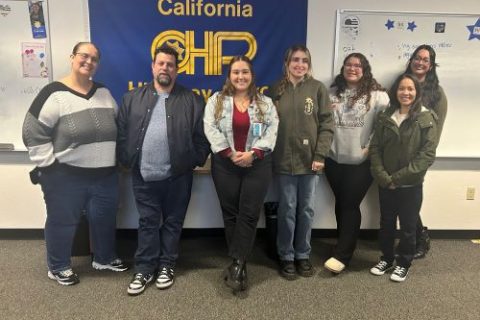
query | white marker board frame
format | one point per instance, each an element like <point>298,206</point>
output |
<point>388,50</point>
<point>16,91</point>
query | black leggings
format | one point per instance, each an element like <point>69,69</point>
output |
<point>349,184</point>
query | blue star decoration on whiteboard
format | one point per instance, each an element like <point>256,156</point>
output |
<point>474,30</point>
<point>411,26</point>
<point>389,24</point>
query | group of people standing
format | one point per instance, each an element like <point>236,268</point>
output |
<point>355,132</point>
<point>391,138</point>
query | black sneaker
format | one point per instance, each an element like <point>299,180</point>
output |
<point>304,267</point>
<point>380,268</point>
<point>165,278</point>
<point>399,274</point>
<point>138,283</point>
<point>116,265</point>
<point>287,270</point>
<point>65,277</point>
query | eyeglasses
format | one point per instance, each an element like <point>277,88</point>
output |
<point>86,56</point>
<point>353,66</point>
<point>420,59</point>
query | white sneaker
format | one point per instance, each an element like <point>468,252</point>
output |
<point>399,274</point>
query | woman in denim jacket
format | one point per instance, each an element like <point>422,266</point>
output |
<point>241,126</point>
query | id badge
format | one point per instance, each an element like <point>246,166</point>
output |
<point>257,129</point>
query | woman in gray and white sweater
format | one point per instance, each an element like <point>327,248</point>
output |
<point>356,100</point>
<point>70,134</point>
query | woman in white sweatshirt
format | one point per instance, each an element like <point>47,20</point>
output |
<point>356,100</point>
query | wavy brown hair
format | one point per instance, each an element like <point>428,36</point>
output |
<point>286,61</point>
<point>366,85</point>
<point>229,90</point>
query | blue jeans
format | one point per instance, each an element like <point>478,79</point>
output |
<point>66,196</point>
<point>404,204</point>
<point>295,215</point>
<point>162,206</point>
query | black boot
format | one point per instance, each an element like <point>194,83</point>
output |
<point>271,228</point>
<point>233,275</point>
<point>423,244</point>
<point>244,285</point>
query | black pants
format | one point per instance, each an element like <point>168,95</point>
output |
<point>419,227</point>
<point>241,192</point>
<point>404,203</point>
<point>349,184</point>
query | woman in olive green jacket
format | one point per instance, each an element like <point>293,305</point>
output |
<point>304,138</point>
<point>402,149</point>
<point>423,67</point>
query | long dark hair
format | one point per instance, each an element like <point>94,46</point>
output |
<point>416,107</point>
<point>367,82</point>
<point>430,86</point>
<point>229,90</point>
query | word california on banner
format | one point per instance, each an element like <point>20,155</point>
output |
<point>205,33</point>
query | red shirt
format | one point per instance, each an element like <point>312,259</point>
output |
<point>240,128</point>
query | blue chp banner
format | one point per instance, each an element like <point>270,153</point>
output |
<point>205,33</point>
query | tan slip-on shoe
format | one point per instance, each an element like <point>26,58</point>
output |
<point>334,265</point>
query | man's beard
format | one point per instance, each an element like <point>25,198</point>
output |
<point>164,80</point>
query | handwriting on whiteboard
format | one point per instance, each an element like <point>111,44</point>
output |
<point>30,90</point>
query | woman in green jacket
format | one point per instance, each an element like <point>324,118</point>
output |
<point>402,149</point>
<point>304,138</point>
<point>423,67</point>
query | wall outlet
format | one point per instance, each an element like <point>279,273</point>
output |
<point>470,193</point>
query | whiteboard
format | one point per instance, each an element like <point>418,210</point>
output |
<point>388,39</point>
<point>26,67</point>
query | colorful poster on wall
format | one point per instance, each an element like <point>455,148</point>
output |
<point>34,60</point>
<point>206,34</point>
